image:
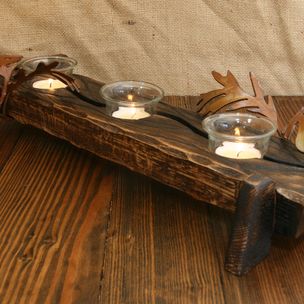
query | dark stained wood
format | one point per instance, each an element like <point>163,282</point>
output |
<point>54,205</point>
<point>180,242</point>
<point>289,214</point>
<point>253,225</point>
<point>164,247</point>
<point>289,217</point>
<point>159,247</point>
<point>108,139</point>
<point>10,132</point>
<point>176,156</point>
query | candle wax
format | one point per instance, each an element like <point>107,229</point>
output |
<point>49,84</point>
<point>130,113</point>
<point>238,150</point>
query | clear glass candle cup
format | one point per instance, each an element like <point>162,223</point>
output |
<point>131,100</point>
<point>64,64</point>
<point>238,135</point>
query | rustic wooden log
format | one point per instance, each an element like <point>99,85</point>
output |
<point>154,146</point>
<point>169,147</point>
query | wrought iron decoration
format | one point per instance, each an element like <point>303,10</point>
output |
<point>233,98</point>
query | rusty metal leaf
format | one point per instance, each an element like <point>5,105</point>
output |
<point>43,69</point>
<point>296,121</point>
<point>233,98</point>
<point>7,66</point>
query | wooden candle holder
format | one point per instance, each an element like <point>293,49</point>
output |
<point>266,196</point>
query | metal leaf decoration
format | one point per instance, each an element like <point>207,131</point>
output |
<point>7,66</point>
<point>232,98</point>
<point>8,60</point>
<point>296,121</point>
<point>43,70</point>
<point>13,80</point>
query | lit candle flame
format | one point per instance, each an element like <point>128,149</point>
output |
<point>130,97</point>
<point>237,132</point>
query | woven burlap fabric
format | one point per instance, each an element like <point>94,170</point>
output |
<point>173,43</point>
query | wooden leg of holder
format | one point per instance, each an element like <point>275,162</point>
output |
<point>253,225</point>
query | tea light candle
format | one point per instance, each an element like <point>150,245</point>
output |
<point>238,150</point>
<point>238,136</point>
<point>131,99</point>
<point>49,84</point>
<point>63,64</point>
<point>130,112</point>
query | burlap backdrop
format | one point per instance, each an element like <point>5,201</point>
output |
<point>173,43</point>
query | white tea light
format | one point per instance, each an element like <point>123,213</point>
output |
<point>62,64</point>
<point>49,84</point>
<point>130,113</point>
<point>238,150</point>
<point>132,100</point>
<point>238,135</point>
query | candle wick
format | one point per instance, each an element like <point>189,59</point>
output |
<point>50,83</point>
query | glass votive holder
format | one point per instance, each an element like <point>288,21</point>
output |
<point>64,65</point>
<point>131,99</point>
<point>238,135</point>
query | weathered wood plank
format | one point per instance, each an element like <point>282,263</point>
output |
<point>165,247</point>
<point>278,279</point>
<point>54,205</point>
<point>190,240</point>
<point>177,156</point>
<point>289,210</point>
<point>169,158</point>
<point>159,248</point>
<point>10,132</point>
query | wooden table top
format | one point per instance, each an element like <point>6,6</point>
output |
<point>78,229</point>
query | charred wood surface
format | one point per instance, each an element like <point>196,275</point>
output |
<point>170,148</point>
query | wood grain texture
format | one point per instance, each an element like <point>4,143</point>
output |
<point>187,242</point>
<point>53,218</point>
<point>10,132</point>
<point>176,156</point>
<point>164,247</point>
<point>253,225</point>
<point>157,251</point>
<point>168,159</point>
